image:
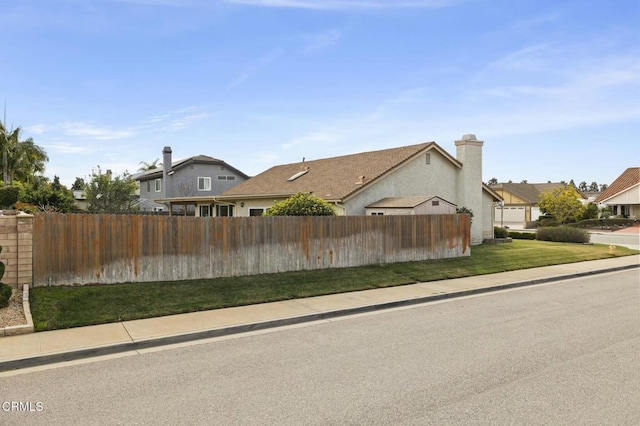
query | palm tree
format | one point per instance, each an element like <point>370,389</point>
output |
<point>144,166</point>
<point>21,160</point>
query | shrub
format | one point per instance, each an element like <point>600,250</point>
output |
<point>500,232</point>
<point>522,235</point>
<point>9,196</point>
<point>590,212</point>
<point>465,210</point>
<point>301,205</point>
<point>547,221</point>
<point>5,295</point>
<point>599,223</point>
<point>5,290</point>
<point>563,234</point>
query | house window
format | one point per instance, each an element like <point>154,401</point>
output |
<point>226,177</point>
<point>427,158</point>
<point>148,186</point>
<point>158,184</point>
<point>435,203</point>
<point>204,184</point>
<point>256,212</point>
<point>205,211</point>
<point>377,214</point>
<point>224,210</point>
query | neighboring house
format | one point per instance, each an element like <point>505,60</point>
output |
<point>410,206</point>
<point>80,199</point>
<point>357,183</point>
<point>623,195</point>
<point>591,196</point>
<point>200,177</point>
<point>520,203</point>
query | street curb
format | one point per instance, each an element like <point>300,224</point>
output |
<point>245,328</point>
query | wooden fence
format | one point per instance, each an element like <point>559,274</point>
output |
<point>84,249</point>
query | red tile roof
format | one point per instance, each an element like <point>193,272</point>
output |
<point>626,180</point>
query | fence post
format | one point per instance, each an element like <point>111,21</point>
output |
<point>16,239</point>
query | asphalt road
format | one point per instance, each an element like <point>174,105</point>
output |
<point>562,353</point>
<point>631,241</point>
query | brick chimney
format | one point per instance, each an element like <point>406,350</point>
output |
<point>167,181</point>
<point>469,153</point>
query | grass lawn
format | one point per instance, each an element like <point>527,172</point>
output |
<point>64,307</point>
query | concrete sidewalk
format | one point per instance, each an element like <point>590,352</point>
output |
<point>129,336</point>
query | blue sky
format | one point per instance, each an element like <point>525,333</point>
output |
<point>552,87</point>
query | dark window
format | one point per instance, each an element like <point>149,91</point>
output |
<point>224,210</point>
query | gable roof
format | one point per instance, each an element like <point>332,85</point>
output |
<point>626,180</point>
<point>334,178</point>
<point>404,202</point>
<point>177,165</point>
<point>530,192</point>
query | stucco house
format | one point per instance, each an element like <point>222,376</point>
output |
<point>198,176</point>
<point>623,195</point>
<point>520,202</point>
<point>410,206</point>
<point>355,183</point>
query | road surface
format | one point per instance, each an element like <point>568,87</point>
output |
<point>631,241</point>
<point>561,353</point>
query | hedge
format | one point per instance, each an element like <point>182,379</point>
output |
<point>522,235</point>
<point>500,232</point>
<point>563,234</point>
<point>598,223</point>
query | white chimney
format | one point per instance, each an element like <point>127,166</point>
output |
<point>469,153</point>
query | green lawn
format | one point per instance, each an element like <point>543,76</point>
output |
<point>64,307</point>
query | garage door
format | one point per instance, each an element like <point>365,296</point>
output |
<point>510,214</point>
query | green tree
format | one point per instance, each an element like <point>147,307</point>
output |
<point>562,204</point>
<point>78,184</point>
<point>301,205</point>
<point>21,159</point>
<point>108,194</point>
<point>43,195</point>
<point>590,212</point>
<point>144,166</point>
<point>492,181</point>
<point>603,187</point>
<point>594,187</point>
<point>583,186</point>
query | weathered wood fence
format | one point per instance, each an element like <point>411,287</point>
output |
<point>83,249</point>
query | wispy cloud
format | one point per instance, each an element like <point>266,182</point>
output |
<point>322,40</point>
<point>83,138</point>
<point>531,58</point>
<point>67,148</point>
<point>314,138</point>
<point>92,131</point>
<point>346,4</point>
<point>37,129</point>
<point>174,120</point>
<point>255,68</point>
